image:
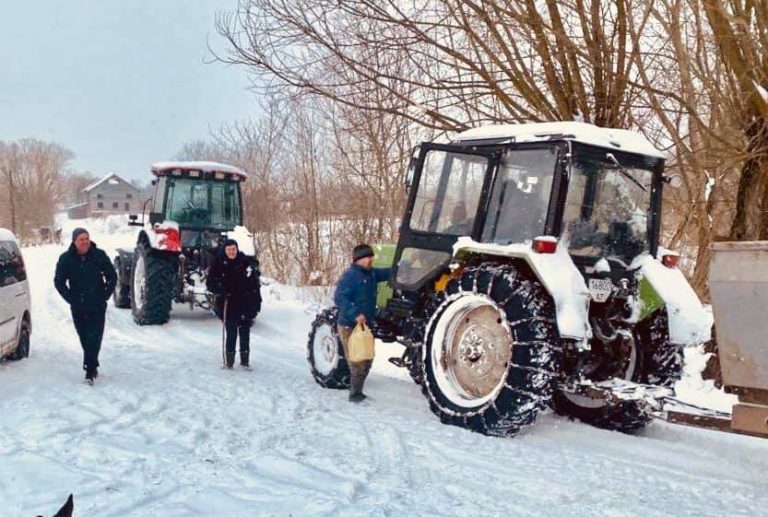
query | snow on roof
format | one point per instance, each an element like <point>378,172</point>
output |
<point>198,166</point>
<point>112,178</point>
<point>7,235</point>
<point>610,138</point>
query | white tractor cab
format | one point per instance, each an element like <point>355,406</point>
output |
<point>195,207</point>
<point>528,273</point>
<point>15,303</point>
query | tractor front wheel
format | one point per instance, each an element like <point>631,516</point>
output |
<point>121,297</point>
<point>325,353</point>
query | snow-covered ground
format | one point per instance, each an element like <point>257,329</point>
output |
<point>166,432</point>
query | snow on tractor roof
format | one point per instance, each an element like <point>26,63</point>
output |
<point>610,138</point>
<point>198,166</point>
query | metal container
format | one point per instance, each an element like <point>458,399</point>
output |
<point>738,282</point>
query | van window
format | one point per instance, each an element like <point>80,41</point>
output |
<point>11,264</point>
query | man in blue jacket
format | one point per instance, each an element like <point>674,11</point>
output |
<point>355,297</point>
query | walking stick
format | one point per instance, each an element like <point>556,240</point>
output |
<point>224,336</point>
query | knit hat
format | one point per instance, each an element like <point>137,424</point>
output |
<point>230,242</point>
<point>361,251</point>
<point>77,232</point>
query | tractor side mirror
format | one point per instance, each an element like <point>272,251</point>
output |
<point>133,217</point>
<point>674,180</point>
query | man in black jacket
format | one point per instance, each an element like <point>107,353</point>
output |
<point>234,278</point>
<point>85,278</point>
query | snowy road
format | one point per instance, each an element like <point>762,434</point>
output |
<point>166,432</point>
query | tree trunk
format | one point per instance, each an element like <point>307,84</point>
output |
<point>751,219</point>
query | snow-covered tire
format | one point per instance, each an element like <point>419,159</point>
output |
<point>22,348</point>
<point>325,352</point>
<point>152,286</point>
<point>491,349</point>
<point>656,361</point>
<point>121,297</point>
<point>665,364</point>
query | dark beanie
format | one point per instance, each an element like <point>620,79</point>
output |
<point>361,251</point>
<point>231,242</point>
<point>77,232</point>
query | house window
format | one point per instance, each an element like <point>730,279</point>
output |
<point>129,196</point>
<point>100,205</point>
<point>99,196</point>
<point>115,205</point>
<point>127,206</point>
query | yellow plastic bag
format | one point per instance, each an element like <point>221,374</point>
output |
<point>361,344</point>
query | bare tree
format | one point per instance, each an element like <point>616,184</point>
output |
<point>740,31</point>
<point>447,64</point>
<point>33,171</point>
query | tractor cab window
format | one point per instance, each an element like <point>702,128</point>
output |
<point>203,204</point>
<point>449,193</point>
<point>520,197</point>
<point>607,208</point>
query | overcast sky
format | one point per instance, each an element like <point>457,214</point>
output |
<point>121,83</point>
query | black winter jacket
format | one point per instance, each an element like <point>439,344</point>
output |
<point>238,282</point>
<point>85,281</point>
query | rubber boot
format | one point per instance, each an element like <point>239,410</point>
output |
<point>356,381</point>
<point>244,356</point>
<point>230,360</point>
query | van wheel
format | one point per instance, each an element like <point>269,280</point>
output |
<point>22,348</point>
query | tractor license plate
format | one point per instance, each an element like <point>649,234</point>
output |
<point>600,289</point>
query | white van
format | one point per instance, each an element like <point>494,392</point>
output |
<point>15,312</point>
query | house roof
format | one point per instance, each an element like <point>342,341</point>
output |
<point>104,179</point>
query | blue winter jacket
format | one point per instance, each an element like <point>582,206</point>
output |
<point>356,293</point>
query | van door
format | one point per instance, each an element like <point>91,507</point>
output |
<point>8,300</point>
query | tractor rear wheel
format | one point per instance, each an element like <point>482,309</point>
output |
<point>491,350</point>
<point>152,286</point>
<point>650,359</point>
<point>325,353</point>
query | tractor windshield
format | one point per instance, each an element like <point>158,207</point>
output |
<point>607,208</point>
<point>203,204</point>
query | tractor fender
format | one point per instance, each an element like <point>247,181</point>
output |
<point>689,323</point>
<point>557,273</point>
<point>158,238</point>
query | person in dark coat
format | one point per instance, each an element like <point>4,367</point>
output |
<point>234,278</point>
<point>355,297</point>
<point>85,278</point>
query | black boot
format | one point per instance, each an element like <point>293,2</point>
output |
<point>356,381</point>
<point>230,360</point>
<point>244,356</point>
